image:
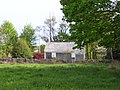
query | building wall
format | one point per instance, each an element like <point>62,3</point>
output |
<point>48,55</point>
<point>79,57</point>
<point>65,56</point>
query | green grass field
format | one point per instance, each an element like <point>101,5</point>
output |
<point>58,77</point>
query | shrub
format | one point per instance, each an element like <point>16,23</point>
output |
<point>21,50</point>
<point>38,56</point>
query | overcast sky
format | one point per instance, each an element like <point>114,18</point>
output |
<point>22,12</point>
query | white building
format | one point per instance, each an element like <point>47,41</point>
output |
<point>63,51</point>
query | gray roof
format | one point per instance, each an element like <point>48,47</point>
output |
<point>62,47</point>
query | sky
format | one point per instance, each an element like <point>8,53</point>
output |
<point>23,12</point>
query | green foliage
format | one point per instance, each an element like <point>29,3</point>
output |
<point>62,37</point>
<point>21,50</point>
<point>58,77</point>
<point>8,37</point>
<point>56,58</point>
<point>93,21</point>
<point>29,35</point>
<point>63,33</point>
<point>116,53</point>
<point>42,47</point>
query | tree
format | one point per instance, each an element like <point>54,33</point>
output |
<point>93,21</point>
<point>8,37</point>
<point>21,49</point>
<point>63,27</point>
<point>42,47</point>
<point>50,27</point>
<point>53,33</point>
<point>29,35</point>
<point>62,37</point>
<point>63,33</point>
<point>1,43</point>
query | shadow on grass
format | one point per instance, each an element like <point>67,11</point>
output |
<point>58,77</point>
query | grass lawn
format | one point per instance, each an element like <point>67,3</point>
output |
<point>58,77</point>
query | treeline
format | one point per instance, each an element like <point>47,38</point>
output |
<point>24,45</point>
<point>12,45</point>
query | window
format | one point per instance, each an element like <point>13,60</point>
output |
<point>53,55</point>
<point>73,55</point>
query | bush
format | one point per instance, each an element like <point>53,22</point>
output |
<point>116,53</point>
<point>21,50</point>
<point>38,56</point>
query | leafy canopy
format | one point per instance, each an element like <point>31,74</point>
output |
<point>8,37</point>
<point>29,35</point>
<point>93,21</point>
